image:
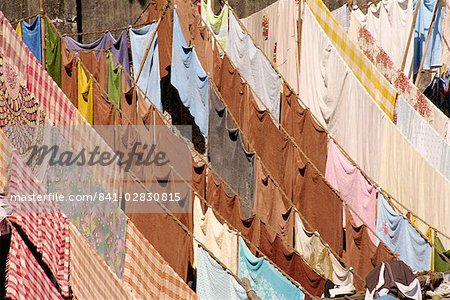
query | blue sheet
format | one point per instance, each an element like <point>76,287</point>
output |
<point>149,79</point>
<point>32,37</point>
<point>189,78</point>
<point>434,53</point>
<point>214,282</point>
<point>266,281</point>
<point>402,238</point>
<point>118,47</point>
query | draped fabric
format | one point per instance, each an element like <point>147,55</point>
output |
<point>424,187</point>
<point>26,279</point>
<point>69,76</point>
<point>218,238</point>
<point>353,187</point>
<point>425,139</point>
<point>389,22</point>
<point>118,47</point>
<point>146,272</point>
<point>290,262</point>
<point>265,280</point>
<point>32,37</point>
<point>217,24</point>
<point>441,257</point>
<point>401,237</point>
<point>85,95</point>
<point>342,15</point>
<point>309,245</point>
<point>90,277</point>
<point>373,82</point>
<point>228,154</point>
<point>149,79</point>
<point>43,223</point>
<point>338,100</point>
<point>114,81</point>
<point>254,67</point>
<point>421,29</point>
<point>53,56</point>
<point>274,30</point>
<point>189,77</point>
<point>213,282</point>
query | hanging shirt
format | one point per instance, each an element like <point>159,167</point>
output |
<point>114,81</point>
<point>32,37</point>
<point>85,95</point>
<point>217,24</point>
<point>53,56</point>
<point>149,78</point>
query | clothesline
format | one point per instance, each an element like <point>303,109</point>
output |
<point>107,30</point>
<point>24,19</point>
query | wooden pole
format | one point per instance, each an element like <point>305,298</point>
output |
<point>411,31</point>
<point>427,42</point>
<point>41,15</point>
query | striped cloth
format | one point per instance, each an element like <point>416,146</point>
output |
<point>375,84</point>
<point>26,279</point>
<point>90,277</point>
<point>147,274</point>
<point>45,226</point>
<point>5,156</point>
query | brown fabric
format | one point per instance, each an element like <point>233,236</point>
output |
<point>129,104</point>
<point>321,207</point>
<point>165,43</point>
<point>360,252</point>
<point>305,131</point>
<point>271,207</point>
<point>95,63</point>
<point>199,179</point>
<point>103,109</point>
<point>291,262</point>
<point>229,207</point>
<point>233,90</point>
<point>154,10</point>
<point>69,75</point>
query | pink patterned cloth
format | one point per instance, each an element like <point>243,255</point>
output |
<point>26,278</point>
<point>45,226</point>
<point>353,187</point>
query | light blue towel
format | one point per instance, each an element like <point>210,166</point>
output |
<point>402,238</point>
<point>32,37</point>
<point>214,282</point>
<point>266,281</point>
<point>149,79</point>
<point>189,78</point>
<point>434,53</point>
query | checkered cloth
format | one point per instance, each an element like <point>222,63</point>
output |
<point>44,225</point>
<point>148,275</point>
<point>375,84</point>
<point>5,156</point>
<point>90,277</point>
<point>26,279</point>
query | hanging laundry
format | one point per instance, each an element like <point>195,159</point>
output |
<point>264,278</point>
<point>189,77</point>
<point>25,278</point>
<point>128,102</point>
<point>228,154</point>
<point>274,30</point>
<point>86,267</point>
<point>85,95</point>
<point>69,76</point>
<point>338,100</point>
<point>217,24</point>
<point>149,78</point>
<point>342,15</point>
<point>213,282</point>
<point>147,273</point>
<point>433,54</point>
<point>52,52</point>
<point>309,245</point>
<point>118,47</point>
<point>424,138</point>
<point>446,34</point>
<point>441,257</point>
<point>32,37</point>
<point>215,236</point>
<point>401,237</point>
<point>254,68</point>
<point>19,29</point>
<point>355,190</point>
<point>438,92</point>
<point>114,81</point>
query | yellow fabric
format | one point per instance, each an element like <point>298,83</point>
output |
<point>85,95</point>
<point>374,82</point>
<point>19,30</point>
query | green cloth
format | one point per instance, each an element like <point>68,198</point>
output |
<point>114,81</point>
<point>441,265</point>
<point>52,53</point>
